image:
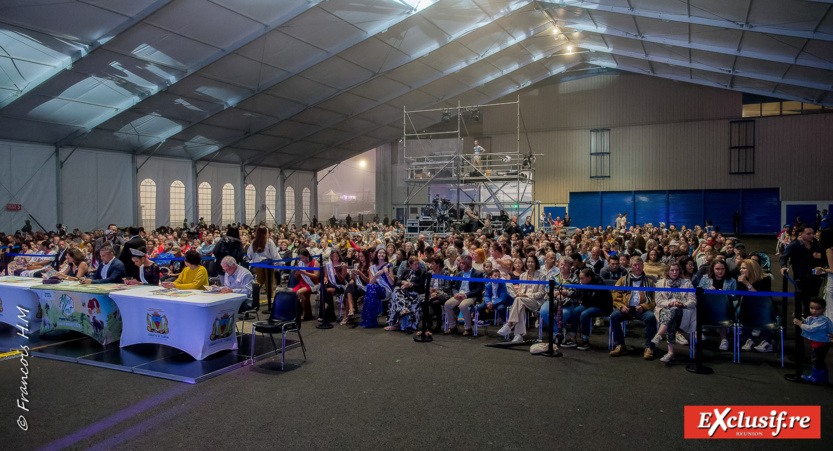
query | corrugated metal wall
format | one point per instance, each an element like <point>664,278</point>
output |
<point>664,135</point>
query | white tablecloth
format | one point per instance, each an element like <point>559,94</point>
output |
<point>14,293</point>
<point>196,322</point>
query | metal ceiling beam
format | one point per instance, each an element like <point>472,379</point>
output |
<point>761,92</point>
<point>720,23</point>
<point>710,48</point>
<point>352,153</point>
<point>91,47</point>
<point>691,65</point>
<point>291,14</point>
<point>457,94</point>
<point>416,56</point>
<point>497,49</point>
<point>380,28</point>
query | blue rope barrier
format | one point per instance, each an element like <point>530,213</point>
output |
<point>291,268</point>
<point>617,288</point>
<point>32,255</point>
<point>178,259</point>
<point>10,247</point>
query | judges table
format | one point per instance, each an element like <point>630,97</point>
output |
<point>82,308</point>
<point>197,322</point>
<point>17,299</point>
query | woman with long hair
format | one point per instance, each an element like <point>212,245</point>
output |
<point>719,279</point>
<point>359,276</point>
<point>674,310</point>
<point>752,278</point>
<point>264,249</point>
<point>379,288</point>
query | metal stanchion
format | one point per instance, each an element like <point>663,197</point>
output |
<point>697,367</point>
<point>550,352</point>
<point>424,338</point>
<point>799,347</point>
<point>322,295</point>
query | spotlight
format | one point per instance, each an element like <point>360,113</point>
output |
<point>446,116</point>
<point>475,114</point>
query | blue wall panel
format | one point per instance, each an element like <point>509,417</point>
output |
<point>651,207</point>
<point>761,211</point>
<point>555,211</point>
<point>720,207</point>
<point>807,212</point>
<point>585,209</point>
<point>615,203</point>
<point>685,208</point>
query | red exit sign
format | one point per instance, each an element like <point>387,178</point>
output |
<point>14,207</point>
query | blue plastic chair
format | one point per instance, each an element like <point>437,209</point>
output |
<point>758,312</point>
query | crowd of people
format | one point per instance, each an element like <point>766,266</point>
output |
<point>375,270</point>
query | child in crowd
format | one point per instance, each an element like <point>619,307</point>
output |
<point>818,329</point>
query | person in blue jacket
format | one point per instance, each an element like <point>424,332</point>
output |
<point>111,269</point>
<point>495,298</point>
<point>818,329</point>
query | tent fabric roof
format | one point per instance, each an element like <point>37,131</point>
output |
<point>304,84</point>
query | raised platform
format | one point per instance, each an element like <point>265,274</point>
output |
<point>146,359</point>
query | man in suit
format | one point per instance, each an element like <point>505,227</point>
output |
<point>466,294</point>
<point>111,269</point>
<point>135,242</point>
<point>61,255</point>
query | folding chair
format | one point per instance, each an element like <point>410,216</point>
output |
<point>286,317</point>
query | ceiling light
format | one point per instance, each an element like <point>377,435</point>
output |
<point>446,117</point>
<point>569,49</point>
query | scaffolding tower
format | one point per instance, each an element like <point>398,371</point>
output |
<point>503,180</point>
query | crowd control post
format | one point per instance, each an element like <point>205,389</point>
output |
<point>799,349</point>
<point>697,367</point>
<point>423,336</point>
<point>325,324</point>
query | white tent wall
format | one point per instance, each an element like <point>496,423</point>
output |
<point>96,189</point>
<point>28,177</point>
<point>299,180</point>
<point>262,178</point>
<point>164,171</point>
<point>218,175</point>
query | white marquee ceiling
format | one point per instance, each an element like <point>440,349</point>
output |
<point>304,84</point>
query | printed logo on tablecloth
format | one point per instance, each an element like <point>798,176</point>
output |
<point>222,326</point>
<point>157,322</point>
<point>67,305</point>
<point>92,305</point>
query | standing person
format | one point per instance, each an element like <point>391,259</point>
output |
<point>736,222</point>
<point>478,155</point>
<point>126,257</point>
<point>264,249</point>
<point>817,329</point>
<point>803,255</point>
<point>527,229</point>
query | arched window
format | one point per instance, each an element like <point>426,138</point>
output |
<point>177,203</point>
<point>204,201</point>
<point>305,200</point>
<point>147,204</point>
<point>251,194</point>
<point>271,194</point>
<point>290,205</point>
<point>228,204</point>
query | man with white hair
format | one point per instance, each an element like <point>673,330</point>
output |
<point>235,278</point>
